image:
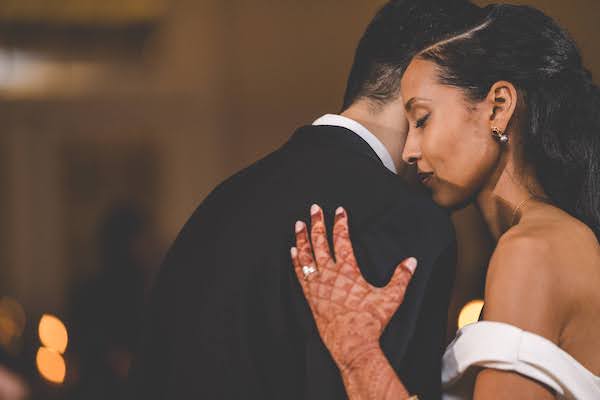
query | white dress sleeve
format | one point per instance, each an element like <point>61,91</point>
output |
<point>505,347</point>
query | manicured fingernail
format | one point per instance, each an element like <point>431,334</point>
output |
<point>340,210</point>
<point>411,264</point>
<point>314,209</point>
<point>299,226</point>
<point>294,252</point>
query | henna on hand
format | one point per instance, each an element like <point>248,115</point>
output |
<point>350,314</point>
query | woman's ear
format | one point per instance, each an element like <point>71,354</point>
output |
<point>503,97</point>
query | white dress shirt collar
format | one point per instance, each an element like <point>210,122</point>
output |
<point>350,124</point>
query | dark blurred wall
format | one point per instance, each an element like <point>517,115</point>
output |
<point>216,86</point>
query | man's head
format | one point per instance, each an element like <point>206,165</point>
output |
<point>398,31</point>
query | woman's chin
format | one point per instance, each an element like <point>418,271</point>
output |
<point>451,201</point>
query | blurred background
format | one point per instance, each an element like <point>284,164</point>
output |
<point>117,117</point>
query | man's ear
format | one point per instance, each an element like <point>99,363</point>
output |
<point>503,98</point>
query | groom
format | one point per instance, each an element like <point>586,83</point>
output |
<point>228,318</point>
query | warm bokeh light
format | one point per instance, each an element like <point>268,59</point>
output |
<point>51,365</point>
<point>470,313</point>
<point>53,333</point>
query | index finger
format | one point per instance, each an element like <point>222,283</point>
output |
<point>298,269</point>
<point>305,253</point>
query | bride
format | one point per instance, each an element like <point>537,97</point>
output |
<point>504,115</point>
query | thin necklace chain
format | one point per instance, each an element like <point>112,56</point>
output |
<point>521,204</point>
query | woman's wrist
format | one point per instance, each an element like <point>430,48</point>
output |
<point>360,357</point>
<point>370,377</point>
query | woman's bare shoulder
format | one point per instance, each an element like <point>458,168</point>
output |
<point>534,270</point>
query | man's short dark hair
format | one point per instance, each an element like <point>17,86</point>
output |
<point>398,31</point>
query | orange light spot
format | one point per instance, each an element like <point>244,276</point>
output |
<point>470,313</point>
<point>53,333</point>
<point>51,365</point>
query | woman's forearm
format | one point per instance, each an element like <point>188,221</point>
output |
<point>371,377</point>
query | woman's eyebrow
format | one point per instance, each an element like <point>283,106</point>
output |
<point>411,102</point>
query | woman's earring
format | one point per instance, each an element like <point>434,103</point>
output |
<point>499,135</point>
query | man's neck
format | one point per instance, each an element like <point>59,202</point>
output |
<point>388,123</point>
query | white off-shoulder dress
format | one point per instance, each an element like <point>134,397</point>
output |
<point>505,347</point>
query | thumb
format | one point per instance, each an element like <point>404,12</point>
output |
<point>401,279</point>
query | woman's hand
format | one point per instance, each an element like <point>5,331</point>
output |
<point>350,313</point>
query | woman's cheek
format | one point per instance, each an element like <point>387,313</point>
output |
<point>456,168</point>
<point>431,149</point>
<point>439,149</point>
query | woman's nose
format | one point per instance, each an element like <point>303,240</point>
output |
<point>412,151</point>
<point>411,160</point>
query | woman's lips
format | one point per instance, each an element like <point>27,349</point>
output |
<point>425,177</point>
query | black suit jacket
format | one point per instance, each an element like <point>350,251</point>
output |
<point>228,319</point>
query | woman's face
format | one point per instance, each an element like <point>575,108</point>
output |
<point>449,137</point>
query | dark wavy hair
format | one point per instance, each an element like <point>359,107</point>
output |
<point>398,30</point>
<point>559,112</point>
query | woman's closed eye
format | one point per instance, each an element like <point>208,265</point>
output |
<point>421,121</point>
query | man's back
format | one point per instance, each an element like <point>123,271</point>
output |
<point>229,320</point>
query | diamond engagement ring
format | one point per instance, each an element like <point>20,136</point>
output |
<point>308,271</point>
